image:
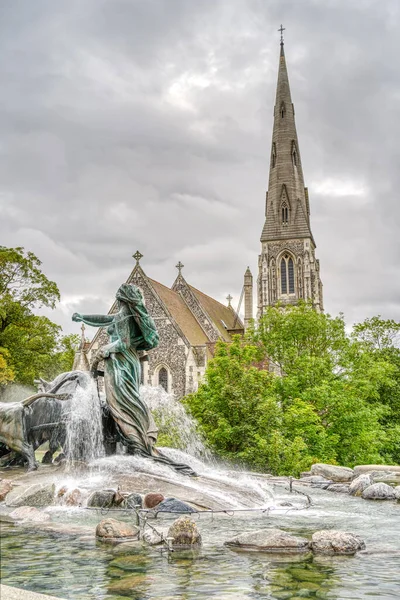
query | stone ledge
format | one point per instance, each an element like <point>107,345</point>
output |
<point>12,593</point>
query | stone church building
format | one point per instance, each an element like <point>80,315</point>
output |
<point>190,322</point>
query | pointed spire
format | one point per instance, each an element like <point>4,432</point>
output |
<point>286,182</point>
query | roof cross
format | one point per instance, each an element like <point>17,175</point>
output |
<point>179,266</point>
<point>281,29</point>
<point>137,256</point>
<point>229,298</point>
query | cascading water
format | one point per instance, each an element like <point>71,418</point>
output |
<point>175,425</point>
<point>83,422</point>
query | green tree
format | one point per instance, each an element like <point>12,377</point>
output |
<point>319,400</point>
<point>32,345</point>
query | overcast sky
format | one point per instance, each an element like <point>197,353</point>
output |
<point>146,124</point>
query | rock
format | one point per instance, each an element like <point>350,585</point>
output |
<point>74,498</point>
<point>152,499</point>
<point>101,499</point>
<point>111,529</point>
<point>184,532</point>
<point>359,484</point>
<point>341,488</point>
<point>153,538</point>
<point>333,472</point>
<point>62,491</point>
<point>38,494</point>
<point>336,542</point>
<point>134,501</point>
<point>379,491</point>
<point>269,540</point>
<point>174,505</point>
<point>397,492</point>
<point>5,487</point>
<point>360,469</point>
<point>385,477</point>
<point>315,479</point>
<point>305,474</point>
<point>29,513</point>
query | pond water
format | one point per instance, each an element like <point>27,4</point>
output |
<point>82,569</point>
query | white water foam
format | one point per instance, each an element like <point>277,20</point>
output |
<point>84,435</point>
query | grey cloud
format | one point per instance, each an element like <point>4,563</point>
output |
<point>147,125</point>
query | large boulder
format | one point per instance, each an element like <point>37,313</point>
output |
<point>30,514</point>
<point>38,494</point>
<point>333,472</point>
<point>184,533</point>
<point>360,469</point>
<point>336,542</point>
<point>173,505</point>
<point>113,530</point>
<point>379,491</point>
<point>397,492</point>
<point>269,540</point>
<point>101,499</point>
<point>359,484</point>
<point>152,499</point>
<point>5,487</point>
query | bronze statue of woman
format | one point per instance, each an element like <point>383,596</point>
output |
<point>130,329</point>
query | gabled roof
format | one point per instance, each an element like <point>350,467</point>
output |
<point>181,314</point>
<point>223,317</point>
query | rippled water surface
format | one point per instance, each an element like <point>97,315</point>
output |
<point>83,569</point>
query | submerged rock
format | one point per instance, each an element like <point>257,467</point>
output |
<point>379,491</point>
<point>155,537</point>
<point>184,532</point>
<point>333,472</point>
<point>101,499</point>
<point>359,484</point>
<point>174,505</point>
<point>38,494</point>
<point>269,540</point>
<point>29,513</point>
<point>111,529</point>
<point>5,487</point>
<point>152,499</point>
<point>336,542</point>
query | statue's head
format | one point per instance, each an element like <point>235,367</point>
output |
<point>129,293</point>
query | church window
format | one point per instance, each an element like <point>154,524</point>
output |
<point>283,276</point>
<point>287,275</point>
<point>163,378</point>
<point>273,158</point>
<point>283,110</point>
<point>294,154</point>
<point>285,214</point>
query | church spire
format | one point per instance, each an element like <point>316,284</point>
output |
<point>287,213</point>
<point>288,268</point>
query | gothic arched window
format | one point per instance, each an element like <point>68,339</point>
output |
<point>294,154</point>
<point>287,275</point>
<point>283,110</point>
<point>285,214</point>
<point>273,157</point>
<point>283,276</point>
<point>163,378</point>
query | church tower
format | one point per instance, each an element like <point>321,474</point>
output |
<point>288,269</point>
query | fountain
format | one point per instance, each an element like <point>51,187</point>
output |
<point>113,468</point>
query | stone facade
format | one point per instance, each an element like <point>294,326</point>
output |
<point>288,269</point>
<point>188,322</point>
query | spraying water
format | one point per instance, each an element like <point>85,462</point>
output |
<point>84,435</point>
<point>176,427</point>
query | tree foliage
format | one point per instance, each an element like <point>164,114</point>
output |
<point>32,346</point>
<point>322,398</point>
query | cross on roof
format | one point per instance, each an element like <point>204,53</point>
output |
<point>137,256</point>
<point>179,266</point>
<point>281,29</point>
<point>229,298</point>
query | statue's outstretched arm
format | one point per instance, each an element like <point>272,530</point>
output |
<point>94,320</point>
